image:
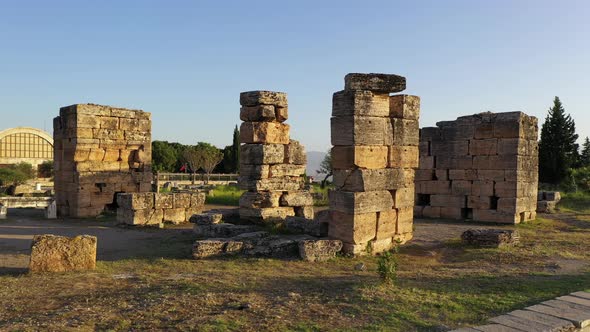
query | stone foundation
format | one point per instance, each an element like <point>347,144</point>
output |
<point>99,151</point>
<point>271,164</point>
<point>155,208</point>
<point>482,167</point>
<point>375,139</point>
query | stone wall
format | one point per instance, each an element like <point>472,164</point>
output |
<point>271,164</point>
<point>155,208</point>
<point>99,151</point>
<point>482,167</point>
<point>375,139</point>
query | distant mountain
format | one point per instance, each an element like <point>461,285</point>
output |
<point>314,159</point>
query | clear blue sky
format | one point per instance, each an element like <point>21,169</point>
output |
<point>187,61</point>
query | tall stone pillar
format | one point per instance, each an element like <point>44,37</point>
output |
<point>271,164</point>
<point>374,155</point>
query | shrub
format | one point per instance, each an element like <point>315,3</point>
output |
<point>46,169</point>
<point>387,265</point>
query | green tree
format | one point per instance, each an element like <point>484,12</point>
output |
<point>231,154</point>
<point>164,157</point>
<point>585,155</point>
<point>558,150</point>
<point>209,156</point>
<point>326,168</point>
<point>46,169</point>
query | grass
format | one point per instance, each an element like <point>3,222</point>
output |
<point>320,194</point>
<point>436,289</point>
<point>224,195</point>
<point>575,202</point>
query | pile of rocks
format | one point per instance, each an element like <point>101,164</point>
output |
<point>547,201</point>
<point>491,237</point>
<point>156,208</point>
<point>482,167</point>
<point>223,239</point>
<point>271,164</point>
<point>51,253</point>
<point>99,151</point>
<point>375,139</point>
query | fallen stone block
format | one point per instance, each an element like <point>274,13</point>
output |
<point>319,250</point>
<point>277,246</point>
<point>306,226</point>
<point>375,82</point>
<point>208,218</point>
<point>491,237</point>
<point>50,253</point>
<point>546,206</point>
<point>222,230</point>
<point>267,214</point>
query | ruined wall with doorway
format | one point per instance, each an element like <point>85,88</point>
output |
<point>99,151</point>
<point>482,167</point>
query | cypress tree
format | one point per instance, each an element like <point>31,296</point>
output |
<point>558,150</point>
<point>585,155</point>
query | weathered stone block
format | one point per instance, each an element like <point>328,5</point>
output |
<point>296,198</point>
<point>405,107</point>
<point>447,201</point>
<point>482,188</point>
<point>403,197</point>
<point>360,103</point>
<point>358,130</point>
<point>491,237</point>
<point>272,184</point>
<point>182,200</point>
<point>403,156</point>
<point>405,132</point>
<point>375,82</point>
<point>140,217</point>
<point>431,212</point>
<point>198,200</point>
<point>254,172</point>
<point>450,212</point>
<point>258,113</point>
<point>295,153</point>
<point>319,250</point>
<point>360,202</point>
<point>304,211</point>
<point>253,98</point>
<point>373,179</point>
<point>461,188</point>
<point>267,214</point>
<point>257,154</point>
<point>135,201</point>
<point>306,226</point>
<point>353,228</point>
<point>386,224</point>
<point>282,170</point>
<point>483,147</point>
<point>434,187</point>
<point>490,175</point>
<point>362,156</point>
<point>495,216</point>
<point>163,201</point>
<point>261,199</point>
<point>264,132</point>
<point>175,216</point>
<point>479,202</point>
<point>50,253</point>
<point>405,220</point>
<point>208,218</point>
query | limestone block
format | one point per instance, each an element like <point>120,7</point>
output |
<point>175,216</point>
<point>508,128</point>
<point>281,113</point>
<point>435,187</point>
<point>295,153</point>
<point>424,148</point>
<point>462,162</point>
<point>258,154</point>
<point>296,198</point>
<point>257,113</point>
<point>515,146</point>
<point>253,98</point>
<point>261,199</point>
<point>495,216</point>
<point>254,172</point>
<point>209,248</point>
<point>491,237</point>
<point>507,189</point>
<point>404,107</point>
<point>402,238</point>
<point>283,184</point>
<point>375,82</point>
<point>358,130</point>
<point>163,201</point>
<point>544,207</point>
<point>424,174</point>
<point>461,188</point>
<point>405,132</point>
<point>431,212</point>
<point>267,214</point>
<point>513,205</point>
<point>281,170</point>
<point>360,103</point>
<point>362,156</point>
<point>441,174</point>
<point>426,162</point>
<point>457,130</point>
<point>355,249</point>
<point>373,179</point>
<point>492,175</point>
<point>386,224</point>
<point>482,188</point>
<point>108,134</point>
<point>405,220</point>
<point>450,148</point>
<point>182,200</point>
<point>479,202</point>
<point>360,202</point>
<point>430,134</point>
<point>109,122</point>
<point>304,211</point>
<point>418,211</point>
<point>128,124</point>
<point>403,197</point>
<point>450,212</point>
<point>140,217</point>
<point>208,218</point>
<point>319,250</point>
<point>50,253</point>
<point>111,155</point>
<point>302,225</point>
<point>264,132</point>
<point>135,201</point>
<point>379,246</point>
<point>447,201</point>
<point>484,130</point>
<point>353,228</point>
<point>91,166</point>
<point>483,147</point>
<point>198,200</point>
<point>86,121</point>
<point>403,156</point>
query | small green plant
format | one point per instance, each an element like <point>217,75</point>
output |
<point>387,265</point>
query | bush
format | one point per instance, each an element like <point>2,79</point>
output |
<point>387,265</point>
<point>46,169</point>
<point>11,176</point>
<point>224,195</point>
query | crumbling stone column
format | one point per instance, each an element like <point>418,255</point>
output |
<point>482,167</point>
<point>99,151</point>
<point>271,164</point>
<point>375,139</point>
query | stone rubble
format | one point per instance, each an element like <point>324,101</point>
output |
<point>50,253</point>
<point>271,164</point>
<point>491,237</point>
<point>375,151</point>
<point>99,151</point>
<point>482,167</point>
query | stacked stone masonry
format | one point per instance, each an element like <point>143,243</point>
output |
<point>271,164</point>
<point>99,151</point>
<point>155,208</point>
<point>482,167</point>
<point>374,155</point>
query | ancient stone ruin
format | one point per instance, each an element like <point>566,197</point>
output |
<point>482,167</point>
<point>143,209</point>
<point>99,151</point>
<point>271,164</point>
<point>51,253</point>
<point>375,139</point>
